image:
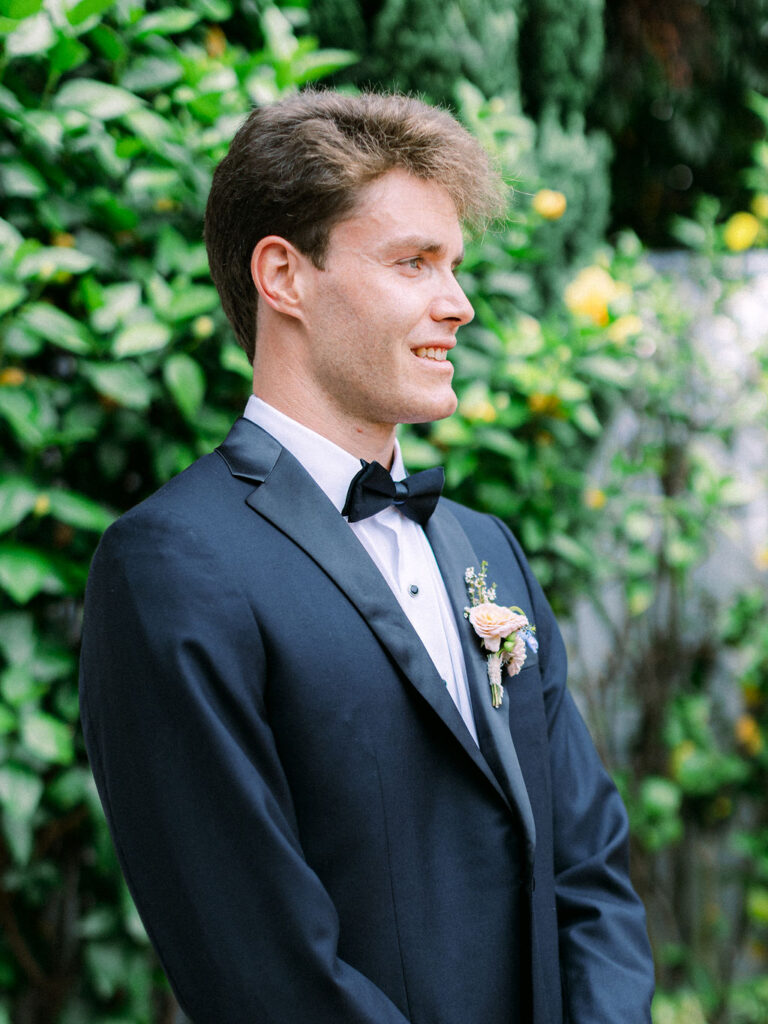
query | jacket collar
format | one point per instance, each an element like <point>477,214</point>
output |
<point>287,496</point>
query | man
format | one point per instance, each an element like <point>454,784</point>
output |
<point>321,816</point>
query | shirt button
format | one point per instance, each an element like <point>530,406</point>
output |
<point>413,590</point>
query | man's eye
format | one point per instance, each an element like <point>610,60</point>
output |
<point>413,263</point>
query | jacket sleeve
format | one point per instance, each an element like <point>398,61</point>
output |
<point>194,791</point>
<point>606,964</point>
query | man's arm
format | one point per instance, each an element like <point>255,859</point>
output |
<point>195,793</point>
<point>605,957</point>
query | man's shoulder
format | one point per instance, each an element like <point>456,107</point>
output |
<point>186,495</point>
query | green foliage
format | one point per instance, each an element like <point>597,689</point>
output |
<point>561,55</point>
<point>426,47</point>
<point>116,369</point>
<point>672,94</point>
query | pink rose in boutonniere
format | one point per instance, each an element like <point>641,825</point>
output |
<point>492,622</point>
<point>504,631</point>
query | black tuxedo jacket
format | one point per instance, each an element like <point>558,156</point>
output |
<point>308,829</point>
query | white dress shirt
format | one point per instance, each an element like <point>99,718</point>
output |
<point>398,546</point>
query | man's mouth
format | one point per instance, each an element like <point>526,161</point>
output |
<point>431,353</point>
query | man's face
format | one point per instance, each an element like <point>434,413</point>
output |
<point>383,313</point>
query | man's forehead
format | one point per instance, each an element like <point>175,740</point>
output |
<point>401,208</point>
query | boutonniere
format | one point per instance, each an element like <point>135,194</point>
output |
<point>504,631</point>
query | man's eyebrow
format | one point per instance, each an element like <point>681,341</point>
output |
<point>422,244</point>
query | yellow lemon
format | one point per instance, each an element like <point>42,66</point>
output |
<point>740,231</point>
<point>590,293</point>
<point>595,498</point>
<point>748,734</point>
<point>549,204</point>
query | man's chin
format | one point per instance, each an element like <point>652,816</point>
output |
<point>429,413</point>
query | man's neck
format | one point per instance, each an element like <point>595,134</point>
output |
<point>374,443</point>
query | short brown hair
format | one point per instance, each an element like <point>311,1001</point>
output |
<point>296,167</point>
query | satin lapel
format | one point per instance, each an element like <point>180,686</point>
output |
<point>454,553</point>
<point>291,501</point>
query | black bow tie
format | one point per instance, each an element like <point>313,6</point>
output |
<point>373,489</point>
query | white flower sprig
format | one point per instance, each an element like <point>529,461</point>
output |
<point>503,631</point>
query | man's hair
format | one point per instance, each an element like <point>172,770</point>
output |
<point>296,168</point>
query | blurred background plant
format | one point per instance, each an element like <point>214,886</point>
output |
<point>604,395</point>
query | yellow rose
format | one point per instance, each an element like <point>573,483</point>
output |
<point>491,622</point>
<point>590,294</point>
<point>541,403</point>
<point>627,326</point>
<point>549,204</point>
<point>748,734</point>
<point>595,498</point>
<point>12,377</point>
<point>740,231</point>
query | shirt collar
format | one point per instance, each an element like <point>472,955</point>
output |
<point>330,466</point>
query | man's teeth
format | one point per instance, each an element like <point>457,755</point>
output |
<point>432,353</point>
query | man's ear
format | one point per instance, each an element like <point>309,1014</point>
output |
<point>276,270</point>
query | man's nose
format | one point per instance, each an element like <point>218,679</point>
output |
<point>451,303</point>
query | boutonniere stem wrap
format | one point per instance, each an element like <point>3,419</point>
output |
<point>504,632</point>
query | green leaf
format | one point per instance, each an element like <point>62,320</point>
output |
<point>585,419</point>
<point>49,260</point>
<point>147,179</point>
<point>34,36</point>
<point>29,416</point>
<point>279,34</point>
<point>18,9</point>
<point>25,572</point>
<point>20,791</point>
<point>86,9</point>
<point>19,686</point>
<point>78,511</point>
<point>152,74</point>
<point>17,636</point>
<point>117,302</point>
<point>68,54</point>
<point>47,738</point>
<point>234,359</point>
<point>47,322</point>
<point>193,301</point>
<point>107,967</point>
<point>18,834</point>
<point>170,21</point>
<point>109,42</point>
<point>186,383</point>
<point>10,239</point>
<point>17,499</point>
<point>124,383</point>
<point>96,99</point>
<point>571,550</point>
<point>69,789</point>
<point>140,338</point>
<point>311,66</point>
<point>20,179</point>
<point>7,721</point>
